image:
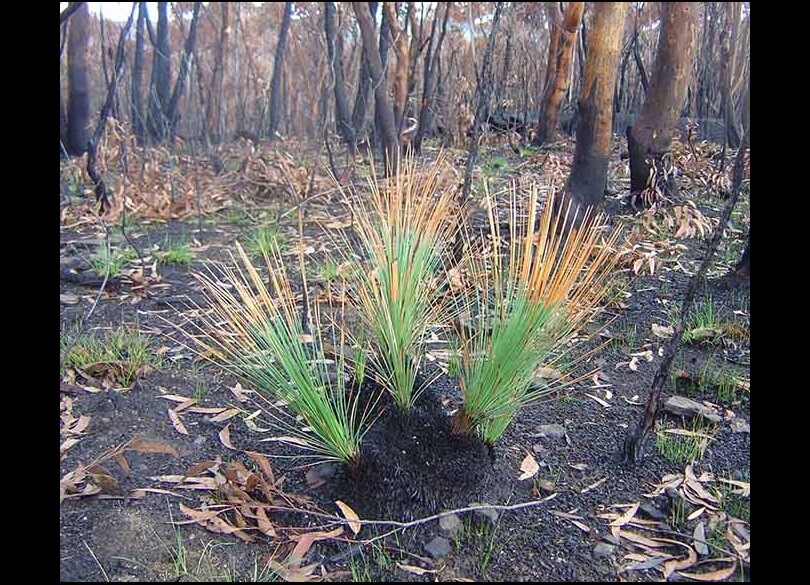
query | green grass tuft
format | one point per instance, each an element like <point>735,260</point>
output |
<point>124,346</point>
<point>255,331</point>
<point>527,303</point>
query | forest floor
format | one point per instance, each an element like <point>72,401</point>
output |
<point>166,473</point>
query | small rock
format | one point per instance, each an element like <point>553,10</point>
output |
<point>450,524</point>
<point>485,513</point>
<point>652,511</point>
<point>553,431</point>
<point>438,547</point>
<point>539,449</point>
<point>603,549</point>
<point>199,440</point>
<point>683,406</point>
<point>740,425</point>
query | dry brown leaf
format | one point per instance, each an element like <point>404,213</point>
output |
<point>593,486</point>
<point>264,465</point>
<point>305,542</point>
<point>177,423</point>
<point>142,446</point>
<point>265,526</point>
<point>239,392</point>
<point>198,468</point>
<point>122,462</point>
<point>415,570</point>
<point>529,467</point>
<point>225,436</point>
<point>627,516</point>
<point>225,415</point>
<point>184,405</point>
<point>294,574</point>
<point>205,410</point>
<point>350,515</point>
<point>719,575</point>
<point>680,564</point>
<point>699,542</point>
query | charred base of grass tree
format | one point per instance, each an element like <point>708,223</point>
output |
<point>412,465</point>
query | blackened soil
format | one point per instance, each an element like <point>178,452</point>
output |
<point>413,466</point>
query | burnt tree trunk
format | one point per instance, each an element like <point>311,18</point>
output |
<point>560,75</point>
<point>483,95</point>
<point>650,138</point>
<point>427,115</point>
<point>78,106</point>
<point>136,108</point>
<point>728,55</point>
<point>100,189</point>
<point>276,107</point>
<point>384,112</point>
<point>182,75</point>
<point>586,183</point>
<point>342,115</point>
<point>400,42</point>
<point>216,91</point>
<point>160,84</point>
<point>363,97</point>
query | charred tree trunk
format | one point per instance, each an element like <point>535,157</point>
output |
<point>384,112</point>
<point>400,42</point>
<point>78,107</point>
<point>728,55</point>
<point>427,116</point>
<point>560,74</point>
<point>586,183</point>
<point>136,110</point>
<point>650,138</point>
<point>160,84</point>
<point>276,106</point>
<point>180,83</point>
<point>483,95</point>
<point>216,91</point>
<point>342,115</point>
<point>100,189</point>
<point>363,87</point>
<point>743,267</point>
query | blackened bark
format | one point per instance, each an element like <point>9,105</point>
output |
<point>342,115</point>
<point>586,183</point>
<point>483,94</point>
<point>383,111</point>
<point>136,110</point>
<point>427,116</point>
<point>649,138</point>
<point>560,75</point>
<point>276,107</point>
<point>179,85</point>
<point>78,108</point>
<point>743,267</point>
<point>363,87</point>
<point>216,91</point>
<point>100,188</point>
<point>67,12</point>
<point>160,84</point>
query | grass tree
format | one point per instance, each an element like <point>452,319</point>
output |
<point>403,227</point>
<point>255,329</point>
<point>532,292</point>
